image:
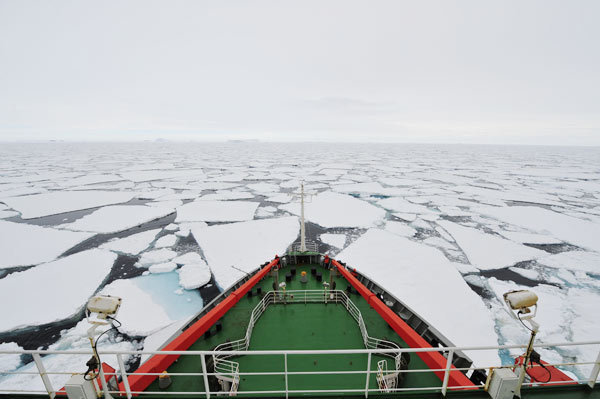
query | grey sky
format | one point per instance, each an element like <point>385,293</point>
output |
<point>421,71</point>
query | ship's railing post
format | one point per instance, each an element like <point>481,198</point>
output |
<point>286,375</point>
<point>42,370</point>
<point>595,371</point>
<point>447,372</point>
<point>103,381</point>
<point>204,376</point>
<point>368,375</point>
<point>124,375</point>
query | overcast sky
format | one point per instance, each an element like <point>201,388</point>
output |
<point>522,72</point>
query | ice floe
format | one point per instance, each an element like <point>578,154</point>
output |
<point>9,362</point>
<point>63,285</point>
<point>330,209</point>
<point>488,251</point>
<point>156,256</point>
<point>574,260</point>
<point>112,219</point>
<point>163,267</point>
<point>400,229</point>
<point>422,278</point>
<point>403,206</point>
<point>24,244</point>
<point>335,240</point>
<point>194,275</point>
<point>216,211</point>
<point>133,244</point>
<point>139,314</point>
<point>254,241</point>
<point>166,241</point>
<point>51,203</point>
<point>573,230</point>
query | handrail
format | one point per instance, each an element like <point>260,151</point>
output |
<point>50,390</point>
<point>225,368</point>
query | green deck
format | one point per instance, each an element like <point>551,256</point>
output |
<point>296,327</point>
<point>314,326</point>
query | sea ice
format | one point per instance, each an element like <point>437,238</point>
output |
<point>139,314</point>
<point>403,206</point>
<point>64,285</point>
<point>529,238</point>
<point>163,267</point>
<point>194,275</point>
<point>573,230</point>
<point>150,175</point>
<point>487,251</point>
<point>400,229</point>
<point>254,241</point>
<point>9,362</point>
<point>330,209</point>
<point>335,240</point>
<point>422,278</point>
<point>188,257</point>
<point>574,260</point>
<point>158,339</point>
<point>166,241</point>
<point>216,211</point>
<point>156,256</point>
<point>133,244</point>
<point>24,244</point>
<point>33,206</point>
<point>112,219</point>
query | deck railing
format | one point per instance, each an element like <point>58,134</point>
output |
<point>352,375</point>
<point>223,366</point>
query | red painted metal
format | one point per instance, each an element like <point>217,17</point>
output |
<point>433,360</point>
<point>160,363</point>
<point>540,375</point>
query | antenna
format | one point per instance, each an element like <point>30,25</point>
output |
<point>302,224</point>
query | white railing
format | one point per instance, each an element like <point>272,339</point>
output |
<point>286,355</point>
<point>223,367</point>
<point>310,247</point>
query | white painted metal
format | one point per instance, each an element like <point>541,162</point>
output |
<point>286,375</point>
<point>595,371</point>
<point>447,372</point>
<point>368,375</point>
<point>44,375</point>
<point>124,376</point>
<point>205,376</point>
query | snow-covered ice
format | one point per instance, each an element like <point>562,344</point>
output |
<point>422,278</point>
<point>156,256</point>
<point>216,211</point>
<point>163,267</point>
<point>194,275</point>
<point>112,219</point>
<point>133,244</point>
<point>335,240</point>
<point>399,228</point>
<point>24,244</point>
<point>329,209</point>
<point>233,249</point>
<point>166,241</point>
<point>9,362</point>
<point>51,203</point>
<point>488,251</point>
<point>574,260</point>
<point>572,230</point>
<point>63,285</point>
<point>139,314</point>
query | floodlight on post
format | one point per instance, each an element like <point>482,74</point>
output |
<point>520,303</point>
<point>100,311</point>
